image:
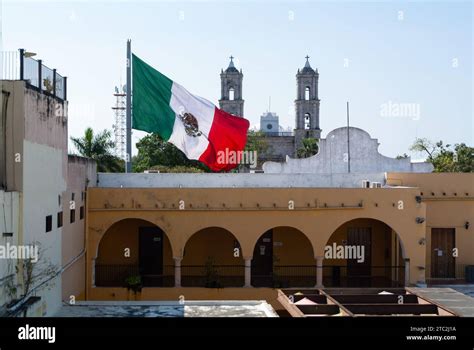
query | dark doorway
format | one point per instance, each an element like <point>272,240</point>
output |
<point>262,261</point>
<point>151,256</point>
<point>442,259</point>
<point>360,236</point>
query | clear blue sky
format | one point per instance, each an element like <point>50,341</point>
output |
<point>412,60</point>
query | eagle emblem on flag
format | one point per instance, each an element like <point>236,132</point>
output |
<point>191,125</point>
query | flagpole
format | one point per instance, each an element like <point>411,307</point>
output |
<point>128,159</point>
<point>348,142</point>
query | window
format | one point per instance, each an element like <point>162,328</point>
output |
<point>72,196</point>
<point>231,94</point>
<point>49,223</point>
<point>306,93</point>
<point>59,200</point>
<point>81,213</point>
<point>269,126</point>
<point>307,121</point>
<point>83,194</point>
<point>60,219</point>
<point>72,217</point>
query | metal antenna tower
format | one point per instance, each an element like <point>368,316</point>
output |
<point>120,128</point>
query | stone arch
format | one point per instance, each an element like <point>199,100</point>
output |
<point>212,257</point>
<point>284,222</point>
<point>133,247</point>
<point>283,256</point>
<point>379,254</point>
<point>214,231</point>
<point>328,231</point>
<point>108,224</point>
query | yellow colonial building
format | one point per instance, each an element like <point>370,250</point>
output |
<point>240,236</point>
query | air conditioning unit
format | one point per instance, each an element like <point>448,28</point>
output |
<point>365,184</point>
<point>376,185</point>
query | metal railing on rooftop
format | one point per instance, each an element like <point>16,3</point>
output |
<point>21,66</point>
<point>215,276</point>
<point>115,275</point>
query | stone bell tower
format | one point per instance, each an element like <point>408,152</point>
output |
<point>306,104</point>
<point>231,90</point>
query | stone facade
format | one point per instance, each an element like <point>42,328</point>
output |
<point>279,147</point>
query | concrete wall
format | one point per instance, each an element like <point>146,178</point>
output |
<point>122,180</point>
<point>81,173</point>
<point>9,222</point>
<point>333,158</point>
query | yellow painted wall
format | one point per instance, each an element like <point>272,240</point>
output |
<point>449,199</point>
<point>248,213</point>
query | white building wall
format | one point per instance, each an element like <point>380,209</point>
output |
<point>333,157</point>
<point>43,182</point>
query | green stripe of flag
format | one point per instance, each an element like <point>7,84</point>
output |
<point>151,95</point>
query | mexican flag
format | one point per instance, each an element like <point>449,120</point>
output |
<point>194,125</point>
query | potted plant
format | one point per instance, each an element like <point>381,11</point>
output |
<point>134,283</point>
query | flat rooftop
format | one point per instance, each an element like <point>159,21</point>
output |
<point>223,308</point>
<point>238,180</point>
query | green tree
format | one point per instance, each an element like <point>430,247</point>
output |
<point>256,142</point>
<point>446,158</point>
<point>99,147</point>
<point>308,148</point>
<point>154,152</point>
<point>402,156</point>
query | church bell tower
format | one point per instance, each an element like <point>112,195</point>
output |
<point>231,90</point>
<point>306,105</point>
